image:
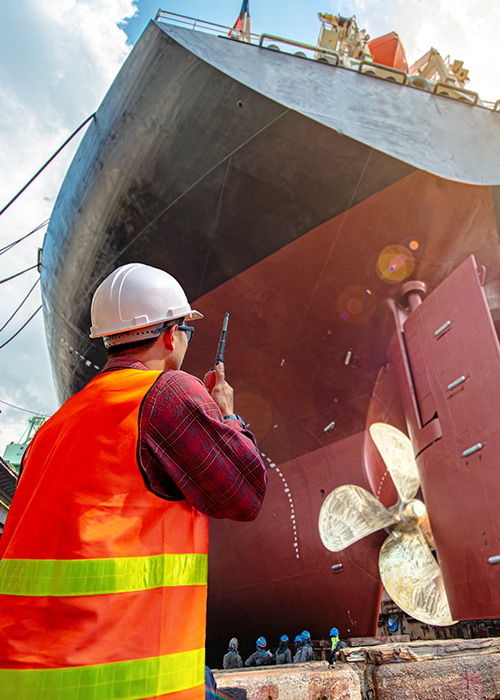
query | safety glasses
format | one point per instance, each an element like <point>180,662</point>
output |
<point>188,330</point>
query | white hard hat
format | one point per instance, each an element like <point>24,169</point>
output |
<point>134,301</point>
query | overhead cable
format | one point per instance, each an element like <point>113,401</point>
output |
<point>14,243</point>
<point>23,326</point>
<point>20,305</point>
<point>35,413</point>
<point>47,163</point>
<point>18,274</point>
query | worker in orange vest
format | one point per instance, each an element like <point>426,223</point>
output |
<point>104,552</point>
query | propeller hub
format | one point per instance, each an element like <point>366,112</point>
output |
<point>412,512</point>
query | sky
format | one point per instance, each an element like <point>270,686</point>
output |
<point>57,60</point>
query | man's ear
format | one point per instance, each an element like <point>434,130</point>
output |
<point>168,337</point>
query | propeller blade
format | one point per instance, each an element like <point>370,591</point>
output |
<point>397,452</point>
<point>348,514</point>
<point>412,577</point>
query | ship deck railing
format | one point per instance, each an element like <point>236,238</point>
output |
<point>202,25</point>
<point>301,50</point>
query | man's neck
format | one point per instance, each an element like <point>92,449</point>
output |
<point>158,364</point>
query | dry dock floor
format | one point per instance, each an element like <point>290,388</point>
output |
<point>458,669</point>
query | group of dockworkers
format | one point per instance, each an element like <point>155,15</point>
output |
<point>263,656</point>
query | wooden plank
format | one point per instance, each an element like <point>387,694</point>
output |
<point>372,641</point>
<point>356,651</point>
<point>430,650</point>
<point>351,654</point>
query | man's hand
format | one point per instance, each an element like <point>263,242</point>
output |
<point>220,390</point>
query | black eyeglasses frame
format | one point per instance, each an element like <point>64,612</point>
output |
<point>188,330</point>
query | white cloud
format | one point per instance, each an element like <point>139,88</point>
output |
<point>57,60</point>
<point>464,29</point>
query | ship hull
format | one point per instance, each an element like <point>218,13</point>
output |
<point>241,172</point>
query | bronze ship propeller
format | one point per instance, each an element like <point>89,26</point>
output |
<point>408,568</point>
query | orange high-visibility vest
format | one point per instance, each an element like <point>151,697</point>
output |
<point>102,583</point>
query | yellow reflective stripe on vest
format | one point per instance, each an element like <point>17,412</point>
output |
<point>127,680</point>
<point>71,577</point>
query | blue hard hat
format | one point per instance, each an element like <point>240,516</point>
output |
<point>284,638</point>
<point>261,642</point>
<point>334,632</point>
<point>298,638</point>
<point>305,635</point>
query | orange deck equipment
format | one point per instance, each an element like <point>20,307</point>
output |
<point>389,51</point>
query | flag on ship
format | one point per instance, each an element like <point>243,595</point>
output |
<point>241,29</point>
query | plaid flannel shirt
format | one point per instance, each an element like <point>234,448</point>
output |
<point>187,451</point>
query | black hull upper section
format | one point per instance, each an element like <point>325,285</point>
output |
<point>414,127</point>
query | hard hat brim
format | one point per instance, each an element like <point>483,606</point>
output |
<point>192,315</point>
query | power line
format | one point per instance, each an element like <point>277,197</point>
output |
<point>47,163</point>
<point>18,274</point>
<point>23,326</point>
<point>8,247</point>
<point>20,305</point>
<point>35,413</point>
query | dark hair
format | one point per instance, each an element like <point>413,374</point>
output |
<point>117,350</point>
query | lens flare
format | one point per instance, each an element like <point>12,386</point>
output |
<point>395,263</point>
<point>355,305</point>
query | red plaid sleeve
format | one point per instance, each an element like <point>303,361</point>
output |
<point>215,464</point>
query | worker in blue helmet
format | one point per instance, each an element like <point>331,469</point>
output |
<point>232,659</point>
<point>283,653</point>
<point>261,656</point>
<point>337,644</point>
<point>304,651</point>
